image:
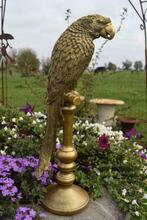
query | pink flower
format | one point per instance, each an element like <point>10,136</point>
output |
<point>103,142</point>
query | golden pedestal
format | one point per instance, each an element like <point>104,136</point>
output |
<point>65,198</point>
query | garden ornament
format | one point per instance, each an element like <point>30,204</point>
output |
<point>4,46</point>
<point>74,198</point>
<point>70,57</point>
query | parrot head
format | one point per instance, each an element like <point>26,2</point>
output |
<point>97,26</point>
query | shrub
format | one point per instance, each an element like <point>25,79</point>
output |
<point>105,159</point>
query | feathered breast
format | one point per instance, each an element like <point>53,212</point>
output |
<point>70,57</point>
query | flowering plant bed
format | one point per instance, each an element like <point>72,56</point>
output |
<point>105,159</point>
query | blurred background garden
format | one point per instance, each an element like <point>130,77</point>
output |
<point>27,83</point>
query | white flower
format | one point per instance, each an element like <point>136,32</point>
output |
<point>125,161</point>
<point>40,125</point>
<point>3,122</point>
<point>15,136</point>
<point>40,115</point>
<point>29,114</point>
<point>13,153</point>
<point>9,138</point>
<point>13,131</point>
<point>2,152</point>
<point>139,147</point>
<point>145,196</point>
<point>20,118</point>
<point>38,120</point>
<point>6,147</point>
<point>3,117</point>
<point>134,202</point>
<point>140,190</point>
<point>34,122</point>
<point>5,128</point>
<point>126,200</point>
<point>137,213</point>
<point>85,143</point>
<point>74,137</point>
<point>124,191</point>
<point>14,120</point>
<point>57,140</point>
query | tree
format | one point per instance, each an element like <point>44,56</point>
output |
<point>111,67</point>
<point>45,66</point>
<point>27,61</point>
<point>13,53</point>
<point>138,65</point>
<point>127,65</point>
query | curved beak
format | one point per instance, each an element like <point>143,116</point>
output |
<point>108,31</point>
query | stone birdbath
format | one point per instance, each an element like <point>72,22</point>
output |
<point>106,110</point>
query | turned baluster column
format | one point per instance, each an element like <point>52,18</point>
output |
<point>67,154</point>
<point>65,198</point>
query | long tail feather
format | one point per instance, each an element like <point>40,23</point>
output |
<point>49,139</point>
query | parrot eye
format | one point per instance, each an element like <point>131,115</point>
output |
<point>87,23</point>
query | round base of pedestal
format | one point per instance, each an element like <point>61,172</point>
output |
<point>67,200</point>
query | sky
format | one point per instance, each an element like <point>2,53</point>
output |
<point>38,24</point>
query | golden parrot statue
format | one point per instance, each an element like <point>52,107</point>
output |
<point>71,55</point>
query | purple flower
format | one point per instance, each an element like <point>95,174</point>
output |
<point>44,178</point>
<point>32,213</point>
<point>132,133</point>
<point>58,146</point>
<point>18,165</point>
<point>13,199</point>
<point>33,162</point>
<point>9,191</point>
<point>24,213</point>
<point>5,163</point>
<point>27,109</point>
<point>42,215</point>
<point>54,167</point>
<point>25,162</point>
<point>3,173</point>
<point>6,182</point>
<point>19,195</point>
<point>103,142</point>
<point>143,155</point>
<point>27,217</point>
<point>87,168</point>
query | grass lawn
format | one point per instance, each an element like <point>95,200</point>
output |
<point>127,86</point>
<point>26,89</point>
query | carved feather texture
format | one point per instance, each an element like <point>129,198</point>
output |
<point>70,57</point>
